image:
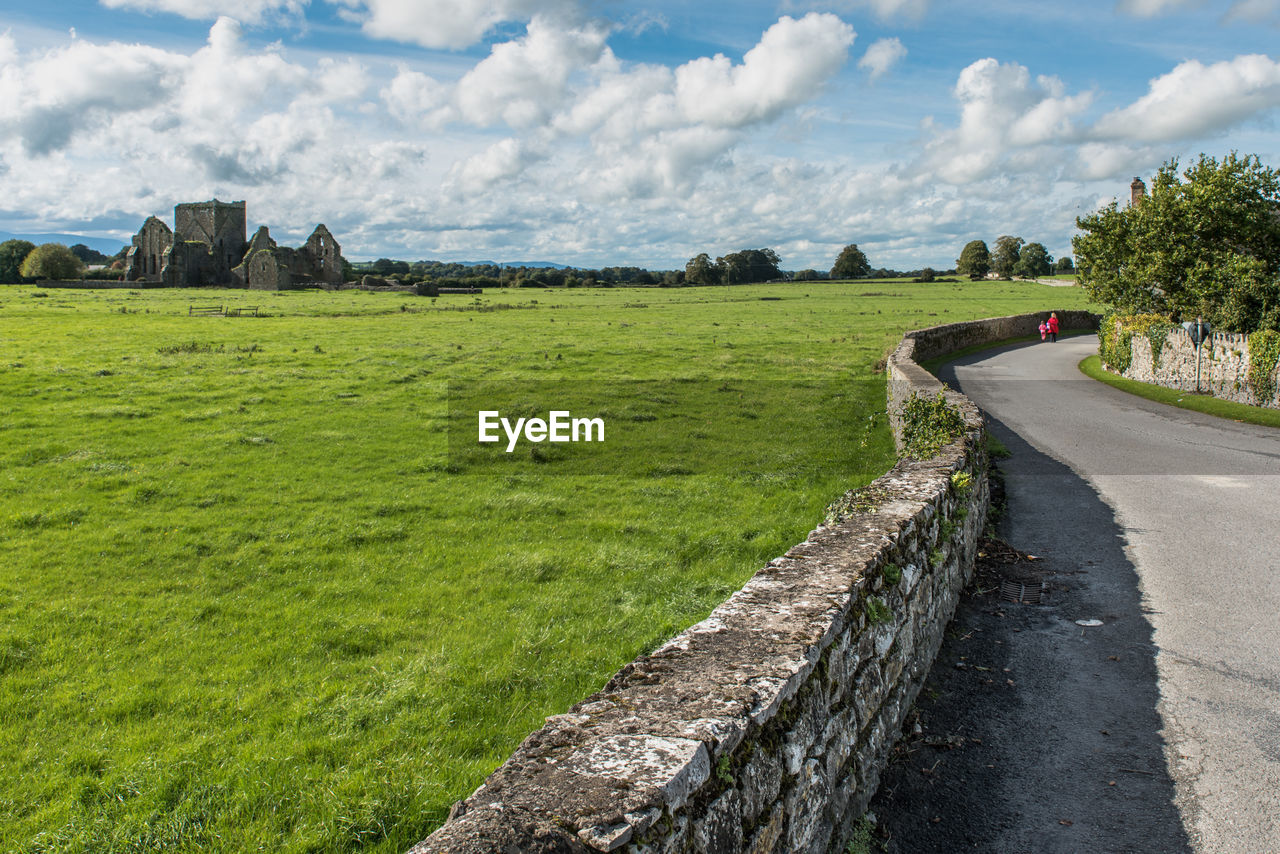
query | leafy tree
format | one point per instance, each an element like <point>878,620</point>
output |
<point>701,271</point>
<point>387,267</point>
<point>974,260</point>
<point>808,275</point>
<point>88,255</point>
<point>1005,256</point>
<point>52,261</point>
<point>851,264</point>
<point>1204,243</point>
<point>1064,265</point>
<point>1033,261</point>
<point>750,265</point>
<point>1249,294</point>
<point>928,274</point>
<point>732,269</point>
<point>12,254</point>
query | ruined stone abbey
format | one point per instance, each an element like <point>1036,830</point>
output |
<point>207,246</point>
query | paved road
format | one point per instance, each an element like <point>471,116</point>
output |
<point>1160,729</point>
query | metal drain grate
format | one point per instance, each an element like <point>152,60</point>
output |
<point>1023,593</point>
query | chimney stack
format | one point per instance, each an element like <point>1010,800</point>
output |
<point>1137,192</point>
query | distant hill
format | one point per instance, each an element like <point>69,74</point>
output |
<point>105,245</point>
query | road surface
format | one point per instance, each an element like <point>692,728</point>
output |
<point>1158,730</point>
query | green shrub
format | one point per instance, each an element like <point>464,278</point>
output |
<point>1157,333</point>
<point>1264,353</point>
<point>928,425</point>
<point>1115,337</point>
<point>877,611</point>
<point>892,573</point>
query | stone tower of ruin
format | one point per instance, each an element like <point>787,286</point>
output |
<point>221,225</point>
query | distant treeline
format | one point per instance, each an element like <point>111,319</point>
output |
<point>737,268</point>
<point>453,274</point>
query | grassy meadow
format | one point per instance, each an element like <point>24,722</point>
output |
<point>250,599</point>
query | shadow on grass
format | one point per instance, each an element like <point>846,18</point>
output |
<point>1036,734</point>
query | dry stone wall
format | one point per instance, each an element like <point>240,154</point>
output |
<point>1224,367</point>
<point>765,727</point>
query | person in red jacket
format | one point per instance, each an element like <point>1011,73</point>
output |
<point>1053,326</point>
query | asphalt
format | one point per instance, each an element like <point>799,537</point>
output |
<point>1158,730</point>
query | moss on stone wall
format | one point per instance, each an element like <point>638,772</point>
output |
<point>1115,337</point>
<point>1264,353</point>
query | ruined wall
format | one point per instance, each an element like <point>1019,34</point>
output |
<point>764,727</point>
<point>189,263</point>
<point>145,258</point>
<point>265,271</point>
<point>325,256</point>
<point>1224,367</point>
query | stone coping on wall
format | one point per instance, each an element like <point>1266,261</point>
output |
<point>764,727</point>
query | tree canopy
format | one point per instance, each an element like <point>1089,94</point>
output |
<point>736,268</point>
<point>851,264</point>
<point>89,255</point>
<point>1064,265</point>
<point>974,260</point>
<point>750,265</point>
<point>1205,243</point>
<point>701,270</point>
<point>1005,256</point>
<point>52,261</point>
<point>1033,261</point>
<point>12,254</point>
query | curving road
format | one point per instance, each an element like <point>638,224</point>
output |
<point>1160,729</point>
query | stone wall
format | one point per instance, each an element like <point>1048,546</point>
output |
<point>1224,366</point>
<point>764,728</point>
<point>905,376</point>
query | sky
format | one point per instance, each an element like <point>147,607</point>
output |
<point>623,132</point>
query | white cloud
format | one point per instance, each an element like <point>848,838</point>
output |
<point>501,161</point>
<point>1254,12</point>
<point>550,145</point>
<point>882,56</point>
<point>8,49</point>
<point>222,79</point>
<point>77,88</point>
<point>886,9</point>
<point>1196,99</point>
<point>413,96</point>
<point>452,24</point>
<point>656,132</point>
<point>1152,8</point>
<point>1003,113</point>
<point>663,164</point>
<point>523,82</point>
<point>249,11</point>
<point>1101,161</point>
<point>791,61</point>
<point>339,80</point>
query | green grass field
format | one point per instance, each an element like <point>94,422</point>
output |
<point>250,599</point>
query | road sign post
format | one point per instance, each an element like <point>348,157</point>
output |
<point>1199,332</point>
